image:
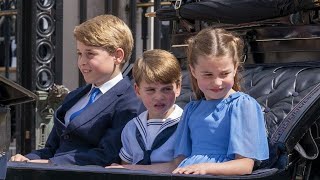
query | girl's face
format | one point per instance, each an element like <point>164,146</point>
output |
<point>96,64</point>
<point>158,98</point>
<point>215,76</point>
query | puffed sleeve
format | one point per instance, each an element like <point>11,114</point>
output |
<point>248,135</point>
<point>126,152</point>
<point>183,140</point>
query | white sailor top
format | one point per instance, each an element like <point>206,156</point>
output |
<point>131,152</point>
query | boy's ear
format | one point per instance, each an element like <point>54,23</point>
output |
<point>119,55</point>
<point>178,91</point>
<point>136,89</point>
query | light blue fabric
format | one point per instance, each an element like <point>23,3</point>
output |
<point>216,130</point>
<point>93,95</point>
<point>131,151</point>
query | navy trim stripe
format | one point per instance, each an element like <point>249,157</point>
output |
<point>142,127</point>
<point>122,154</point>
<point>170,122</point>
<point>154,123</point>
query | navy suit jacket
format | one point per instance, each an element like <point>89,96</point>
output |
<point>93,137</point>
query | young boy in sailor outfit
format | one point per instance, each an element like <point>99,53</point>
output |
<point>150,137</point>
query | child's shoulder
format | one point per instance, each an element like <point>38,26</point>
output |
<point>177,110</point>
<point>191,106</point>
<point>140,118</point>
<point>175,114</point>
<point>242,97</point>
<point>243,101</point>
<point>136,121</point>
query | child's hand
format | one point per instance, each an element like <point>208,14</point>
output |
<point>192,169</point>
<point>19,158</point>
<point>115,165</point>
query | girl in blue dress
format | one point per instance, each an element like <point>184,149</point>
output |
<point>223,131</point>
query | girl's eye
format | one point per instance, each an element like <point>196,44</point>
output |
<point>226,73</point>
<point>150,90</point>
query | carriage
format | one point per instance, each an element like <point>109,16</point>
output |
<point>282,71</point>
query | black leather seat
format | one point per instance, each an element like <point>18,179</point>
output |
<point>289,95</point>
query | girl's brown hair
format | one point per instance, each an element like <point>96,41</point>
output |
<point>214,42</point>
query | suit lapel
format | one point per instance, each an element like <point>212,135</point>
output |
<point>70,101</point>
<point>105,101</point>
<point>73,99</point>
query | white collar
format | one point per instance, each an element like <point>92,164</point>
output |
<point>141,121</point>
<point>109,84</point>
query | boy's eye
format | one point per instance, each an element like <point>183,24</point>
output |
<point>168,89</point>
<point>89,54</point>
<point>79,55</point>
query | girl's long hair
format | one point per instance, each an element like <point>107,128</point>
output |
<point>215,42</point>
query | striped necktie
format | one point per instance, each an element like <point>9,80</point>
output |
<point>93,95</point>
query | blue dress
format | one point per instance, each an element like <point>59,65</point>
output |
<point>216,130</point>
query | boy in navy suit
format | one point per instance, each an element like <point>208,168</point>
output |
<point>88,125</point>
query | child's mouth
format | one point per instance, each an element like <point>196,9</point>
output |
<point>86,71</point>
<point>159,106</point>
<point>216,90</point>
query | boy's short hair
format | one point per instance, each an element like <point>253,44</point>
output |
<point>157,66</point>
<point>106,31</point>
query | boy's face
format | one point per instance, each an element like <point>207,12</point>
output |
<point>96,64</point>
<point>158,98</point>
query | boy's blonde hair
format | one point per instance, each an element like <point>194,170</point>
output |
<point>106,31</point>
<point>157,66</point>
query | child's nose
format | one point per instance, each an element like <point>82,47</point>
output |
<point>82,60</point>
<point>159,95</point>
<point>217,82</point>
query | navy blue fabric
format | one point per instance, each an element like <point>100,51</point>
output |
<point>158,142</point>
<point>94,138</point>
<point>93,95</point>
<point>3,165</point>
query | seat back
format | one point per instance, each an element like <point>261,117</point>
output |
<point>289,95</point>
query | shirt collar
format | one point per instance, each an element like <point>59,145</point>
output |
<point>109,84</point>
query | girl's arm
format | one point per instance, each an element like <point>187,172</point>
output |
<point>239,166</point>
<point>156,168</point>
